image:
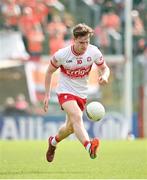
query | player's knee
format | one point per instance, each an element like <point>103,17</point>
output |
<point>76,118</point>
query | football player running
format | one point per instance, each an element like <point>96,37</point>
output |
<point>75,62</point>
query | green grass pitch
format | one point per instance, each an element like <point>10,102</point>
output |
<point>116,159</point>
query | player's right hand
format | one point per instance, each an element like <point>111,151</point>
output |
<point>46,101</point>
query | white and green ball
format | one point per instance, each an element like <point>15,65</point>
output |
<point>95,111</point>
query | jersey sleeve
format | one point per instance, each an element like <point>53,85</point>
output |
<point>99,60</point>
<point>56,59</point>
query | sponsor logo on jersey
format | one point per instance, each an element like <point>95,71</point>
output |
<point>76,73</point>
<point>69,61</point>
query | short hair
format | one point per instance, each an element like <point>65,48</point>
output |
<point>81,30</point>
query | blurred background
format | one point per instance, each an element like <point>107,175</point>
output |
<point>32,30</point>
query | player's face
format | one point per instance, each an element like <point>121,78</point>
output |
<point>81,43</point>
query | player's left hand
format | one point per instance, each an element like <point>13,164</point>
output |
<point>102,80</point>
<point>46,101</point>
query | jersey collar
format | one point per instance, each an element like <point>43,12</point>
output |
<point>74,52</point>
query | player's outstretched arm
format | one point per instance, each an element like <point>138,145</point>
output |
<point>51,69</point>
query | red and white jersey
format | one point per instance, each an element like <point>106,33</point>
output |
<point>74,69</point>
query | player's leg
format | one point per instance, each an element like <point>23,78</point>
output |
<point>75,116</point>
<point>74,122</point>
<point>64,131</point>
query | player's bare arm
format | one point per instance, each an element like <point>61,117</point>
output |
<point>104,73</point>
<point>51,69</point>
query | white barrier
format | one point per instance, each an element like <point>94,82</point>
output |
<point>12,46</point>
